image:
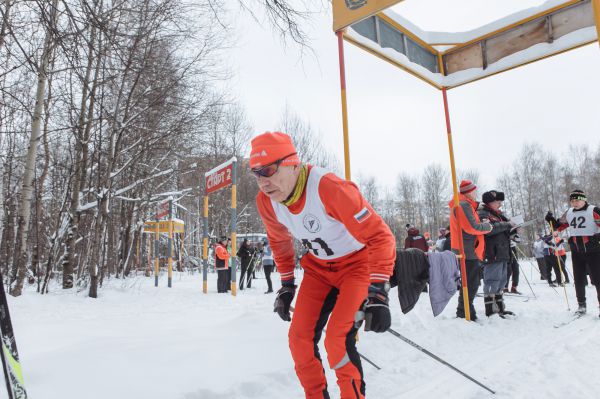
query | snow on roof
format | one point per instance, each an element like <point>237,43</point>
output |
<point>468,69</point>
<point>463,37</point>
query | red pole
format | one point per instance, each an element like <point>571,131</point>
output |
<point>455,209</point>
<point>340,35</point>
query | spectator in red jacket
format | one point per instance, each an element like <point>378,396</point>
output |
<point>222,265</point>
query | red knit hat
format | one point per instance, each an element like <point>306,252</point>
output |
<point>270,147</point>
<point>466,186</point>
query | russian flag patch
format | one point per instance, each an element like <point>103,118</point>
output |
<point>362,215</point>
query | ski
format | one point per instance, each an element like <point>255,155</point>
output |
<point>525,298</point>
<point>10,357</point>
<point>567,322</point>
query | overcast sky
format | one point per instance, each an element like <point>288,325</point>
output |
<point>396,121</point>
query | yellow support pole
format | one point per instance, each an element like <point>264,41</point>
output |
<point>156,254</point>
<point>596,7</point>
<point>461,248</point>
<point>340,35</point>
<point>232,264</point>
<point>205,247</point>
<point>170,258</point>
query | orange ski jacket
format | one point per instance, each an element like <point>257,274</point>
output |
<point>343,202</point>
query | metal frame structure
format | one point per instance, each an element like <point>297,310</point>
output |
<point>448,60</point>
<point>170,226</point>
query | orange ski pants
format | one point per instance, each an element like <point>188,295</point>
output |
<point>335,291</point>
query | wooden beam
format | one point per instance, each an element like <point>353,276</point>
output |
<point>596,7</point>
<point>467,58</point>
<point>516,24</point>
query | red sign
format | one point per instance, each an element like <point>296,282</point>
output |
<point>163,210</point>
<point>219,179</point>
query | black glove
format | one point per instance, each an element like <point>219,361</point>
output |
<point>284,298</point>
<point>377,311</point>
<point>551,219</point>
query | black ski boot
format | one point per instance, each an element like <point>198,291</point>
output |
<point>501,307</point>
<point>581,310</point>
<point>489,305</point>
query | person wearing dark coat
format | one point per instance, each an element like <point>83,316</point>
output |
<point>415,239</point>
<point>497,252</point>
<point>447,246</point>
<point>245,253</point>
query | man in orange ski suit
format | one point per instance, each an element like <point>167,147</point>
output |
<point>351,253</point>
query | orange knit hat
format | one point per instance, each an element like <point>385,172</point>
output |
<point>270,147</point>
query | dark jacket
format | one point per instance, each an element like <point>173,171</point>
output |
<point>245,254</point>
<point>411,273</point>
<point>415,240</point>
<point>448,243</point>
<point>497,241</point>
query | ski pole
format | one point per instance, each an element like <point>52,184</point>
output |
<point>536,268</point>
<point>526,279</point>
<point>368,361</point>
<point>416,346</point>
<point>524,275</point>
<point>559,265</point>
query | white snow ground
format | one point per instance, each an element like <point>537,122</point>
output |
<point>138,341</point>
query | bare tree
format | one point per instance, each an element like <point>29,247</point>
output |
<point>435,195</point>
<point>307,141</point>
<point>20,259</point>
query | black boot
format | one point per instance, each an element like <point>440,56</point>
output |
<point>489,305</point>
<point>501,307</point>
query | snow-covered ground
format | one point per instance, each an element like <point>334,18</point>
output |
<point>138,341</point>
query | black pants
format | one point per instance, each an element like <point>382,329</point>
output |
<point>512,269</point>
<point>563,259</point>
<point>242,274</point>
<point>541,262</point>
<point>268,269</point>
<point>473,281</point>
<point>552,264</point>
<point>584,263</point>
<point>222,280</point>
<point>250,275</point>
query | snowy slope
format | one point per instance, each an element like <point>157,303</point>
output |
<point>137,341</point>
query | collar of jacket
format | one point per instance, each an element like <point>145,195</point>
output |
<point>462,197</point>
<point>497,213</point>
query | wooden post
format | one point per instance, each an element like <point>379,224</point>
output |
<point>156,252</point>
<point>596,7</point>
<point>233,259</point>
<point>459,239</point>
<point>170,246</point>
<point>205,246</point>
<point>340,35</point>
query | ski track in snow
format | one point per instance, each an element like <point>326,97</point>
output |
<point>138,341</point>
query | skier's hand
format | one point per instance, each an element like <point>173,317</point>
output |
<point>377,310</point>
<point>550,218</point>
<point>284,298</point>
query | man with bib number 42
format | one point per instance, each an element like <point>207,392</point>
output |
<point>583,223</point>
<point>351,253</point>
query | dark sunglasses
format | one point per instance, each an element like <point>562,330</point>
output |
<point>270,169</point>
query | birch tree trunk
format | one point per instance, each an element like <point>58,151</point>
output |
<point>20,259</point>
